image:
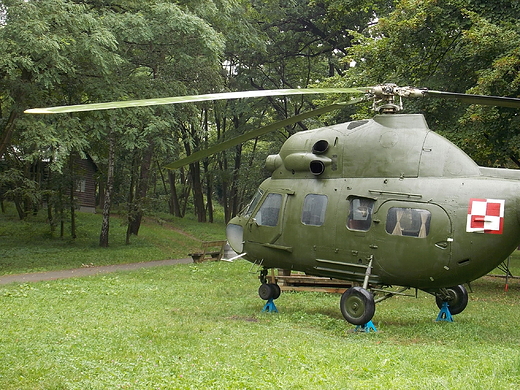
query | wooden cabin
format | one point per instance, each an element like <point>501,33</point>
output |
<point>85,171</point>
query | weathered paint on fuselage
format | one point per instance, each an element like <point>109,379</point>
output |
<point>400,169</point>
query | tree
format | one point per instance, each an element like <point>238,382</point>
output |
<point>50,49</point>
<point>287,44</point>
<point>466,46</point>
<point>169,51</point>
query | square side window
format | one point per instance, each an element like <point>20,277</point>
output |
<point>314,207</point>
<point>360,216</point>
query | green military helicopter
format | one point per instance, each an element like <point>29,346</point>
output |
<point>382,202</point>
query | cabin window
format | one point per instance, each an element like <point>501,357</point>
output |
<point>248,210</point>
<point>314,207</point>
<point>81,185</point>
<point>360,216</point>
<point>409,222</point>
<point>268,213</point>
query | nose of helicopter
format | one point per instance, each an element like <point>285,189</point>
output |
<point>235,234</point>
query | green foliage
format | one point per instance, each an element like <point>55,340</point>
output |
<point>18,188</point>
<point>456,45</point>
<point>63,52</point>
<point>48,40</point>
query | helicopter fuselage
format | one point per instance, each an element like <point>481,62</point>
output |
<point>386,192</point>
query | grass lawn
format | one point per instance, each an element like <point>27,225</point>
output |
<point>28,246</point>
<point>200,326</point>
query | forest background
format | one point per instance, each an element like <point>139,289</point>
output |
<point>58,52</point>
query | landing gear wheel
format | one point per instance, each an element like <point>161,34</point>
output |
<point>277,291</point>
<point>268,291</point>
<point>357,305</point>
<point>457,298</point>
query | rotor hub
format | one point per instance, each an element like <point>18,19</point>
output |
<point>384,97</point>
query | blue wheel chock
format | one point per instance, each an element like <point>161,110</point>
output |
<point>270,306</point>
<point>444,314</point>
<point>369,326</point>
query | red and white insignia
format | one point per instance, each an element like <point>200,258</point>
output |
<point>486,216</point>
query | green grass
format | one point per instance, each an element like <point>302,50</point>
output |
<point>28,246</point>
<point>200,326</point>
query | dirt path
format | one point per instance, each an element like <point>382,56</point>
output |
<point>86,271</point>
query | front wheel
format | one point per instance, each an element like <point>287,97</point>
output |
<point>357,305</point>
<point>268,291</point>
<point>456,297</point>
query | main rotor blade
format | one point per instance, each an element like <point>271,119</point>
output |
<point>476,99</point>
<point>192,98</point>
<point>256,133</point>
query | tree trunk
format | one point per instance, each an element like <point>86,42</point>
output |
<point>19,208</point>
<point>141,190</point>
<point>209,190</point>
<point>7,132</point>
<point>60,211</point>
<point>175,206</point>
<point>234,185</point>
<point>209,200</point>
<point>101,193</point>
<point>186,190</point>
<point>131,197</point>
<point>198,195</point>
<point>103,238</point>
<point>18,97</point>
<point>165,187</point>
<point>50,217</point>
<point>71,192</point>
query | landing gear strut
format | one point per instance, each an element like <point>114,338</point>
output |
<point>357,304</point>
<point>268,292</point>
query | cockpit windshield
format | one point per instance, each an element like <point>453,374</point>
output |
<point>248,210</point>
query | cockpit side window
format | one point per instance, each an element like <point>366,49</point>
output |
<point>409,222</point>
<point>360,216</point>
<point>268,213</point>
<point>314,207</point>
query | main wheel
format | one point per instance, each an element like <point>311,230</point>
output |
<point>457,298</point>
<point>357,305</point>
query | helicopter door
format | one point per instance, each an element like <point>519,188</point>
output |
<point>353,248</point>
<point>265,226</point>
<point>414,237</point>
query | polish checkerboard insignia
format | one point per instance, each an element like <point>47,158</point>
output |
<point>485,216</point>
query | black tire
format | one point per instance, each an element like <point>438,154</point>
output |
<point>457,299</point>
<point>357,305</point>
<point>276,291</point>
<point>266,291</point>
